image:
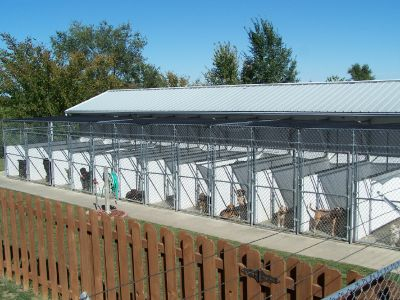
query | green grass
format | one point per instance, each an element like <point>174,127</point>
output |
<point>1,164</point>
<point>9,290</point>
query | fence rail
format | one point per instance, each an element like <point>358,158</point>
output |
<point>60,251</point>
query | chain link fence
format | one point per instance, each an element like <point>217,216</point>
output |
<point>383,284</point>
<point>328,182</point>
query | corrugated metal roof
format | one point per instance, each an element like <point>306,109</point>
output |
<point>350,97</point>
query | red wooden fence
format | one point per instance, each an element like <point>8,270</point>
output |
<point>60,251</point>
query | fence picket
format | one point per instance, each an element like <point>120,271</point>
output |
<point>2,196</point>
<point>32,246</point>
<point>152,259</point>
<point>6,237</point>
<point>41,247</point>
<point>14,236</point>
<point>168,239</point>
<point>62,265</point>
<point>24,250</point>
<point>50,251</point>
<point>277,268</point>
<point>86,274</point>
<point>73,260</point>
<point>303,278</point>
<point>138,274</point>
<point>231,270</point>
<point>188,263</point>
<point>208,271</point>
<point>109,257</point>
<point>122,259</point>
<point>98,278</point>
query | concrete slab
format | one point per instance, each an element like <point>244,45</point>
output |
<point>363,255</point>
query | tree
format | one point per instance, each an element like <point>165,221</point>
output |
<point>225,68</point>
<point>358,72</point>
<point>335,78</point>
<point>27,75</point>
<point>119,48</point>
<point>269,60</point>
<point>173,80</point>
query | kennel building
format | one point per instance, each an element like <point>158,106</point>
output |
<point>313,158</point>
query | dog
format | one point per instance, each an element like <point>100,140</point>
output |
<point>135,195</point>
<point>281,216</point>
<point>394,234</point>
<point>242,201</point>
<point>203,202</point>
<point>331,215</point>
<point>230,212</point>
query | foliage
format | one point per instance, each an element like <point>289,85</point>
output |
<point>358,72</point>
<point>269,60</point>
<point>82,62</point>
<point>335,78</point>
<point>225,68</point>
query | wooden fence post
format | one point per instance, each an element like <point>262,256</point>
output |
<point>6,238</point>
<point>168,239</point>
<point>303,280</point>
<point>277,267</point>
<point>253,261</point>
<point>152,260</point>
<point>41,247</point>
<point>231,270</point>
<point>122,260</point>
<point>62,262</point>
<point>24,249</point>
<point>32,245</point>
<point>97,272</point>
<point>208,270</point>
<point>14,236</point>
<point>50,251</point>
<point>73,260</point>
<point>188,263</point>
<point>137,262</point>
<point>85,255</point>
<point>2,238</point>
<point>109,257</point>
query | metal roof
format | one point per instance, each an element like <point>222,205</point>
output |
<point>338,98</point>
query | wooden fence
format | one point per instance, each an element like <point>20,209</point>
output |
<point>60,251</point>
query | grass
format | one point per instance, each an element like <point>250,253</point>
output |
<point>9,290</point>
<point>1,164</point>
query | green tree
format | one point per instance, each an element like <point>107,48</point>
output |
<point>358,72</point>
<point>270,60</point>
<point>27,76</point>
<point>173,80</point>
<point>225,68</point>
<point>117,49</point>
<point>335,78</point>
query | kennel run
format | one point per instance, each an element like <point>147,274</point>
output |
<point>303,157</point>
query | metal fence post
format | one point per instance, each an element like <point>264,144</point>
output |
<point>26,149</point>
<point>70,158</point>
<point>143,163</point>
<point>175,171</point>
<point>353,206</point>
<point>50,139</point>
<point>211,172</point>
<point>5,156</point>
<point>92,166</point>
<point>252,184</point>
<point>115,157</point>
<point>298,182</point>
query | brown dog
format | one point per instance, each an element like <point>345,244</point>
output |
<point>229,212</point>
<point>241,197</point>
<point>332,215</point>
<point>203,202</point>
<point>281,215</point>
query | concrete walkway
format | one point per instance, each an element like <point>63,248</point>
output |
<point>363,255</point>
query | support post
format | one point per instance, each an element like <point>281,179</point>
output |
<point>92,168</point>
<point>26,149</point>
<point>106,190</point>
<point>70,158</point>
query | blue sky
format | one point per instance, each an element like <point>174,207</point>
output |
<point>326,36</point>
